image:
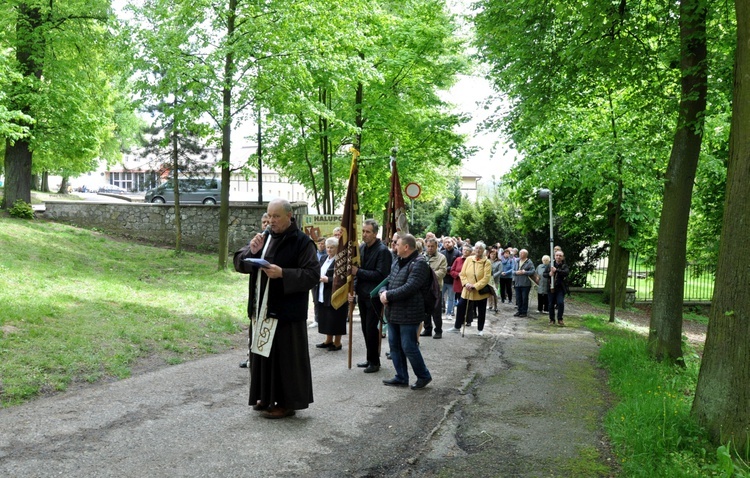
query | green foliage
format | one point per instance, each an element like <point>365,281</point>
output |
<point>443,219</point>
<point>59,96</point>
<point>401,54</point>
<point>593,88</point>
<point>21,210</point>
<point>491,219</point>
<point>14,124</point>
<point>140,301</point>
<point>729,463</point>
<point>650,426</point>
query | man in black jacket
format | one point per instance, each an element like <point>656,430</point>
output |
<point>375,265</point>
<point>406,310</point>
<point>557,273</point>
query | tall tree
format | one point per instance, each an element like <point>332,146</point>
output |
<point>723,391</point>
<point>168,65</point>
<point>381,90</point>
<point>665,331</point>
<point>66,105</point>
<point>589,85</point>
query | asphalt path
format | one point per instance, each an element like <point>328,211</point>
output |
<point>494,408</point>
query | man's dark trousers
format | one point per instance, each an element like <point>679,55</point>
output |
<point>436,318</point>
<point>370,312</point>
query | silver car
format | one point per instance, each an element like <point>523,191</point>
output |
<point>192,191</point>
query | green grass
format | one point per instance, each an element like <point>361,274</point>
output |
<point>650,426</point>
<point>693,313</point>
<point>77,306</point>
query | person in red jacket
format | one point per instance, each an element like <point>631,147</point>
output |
<point>458,264</point>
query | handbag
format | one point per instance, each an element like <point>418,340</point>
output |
<point>487,290</point>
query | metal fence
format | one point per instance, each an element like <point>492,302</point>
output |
<point>698,285</point>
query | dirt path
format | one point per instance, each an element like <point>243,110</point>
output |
<point>526,399</point>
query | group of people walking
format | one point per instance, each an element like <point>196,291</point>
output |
<point>389,285</point>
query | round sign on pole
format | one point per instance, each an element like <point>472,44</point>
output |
<point>413,190</point>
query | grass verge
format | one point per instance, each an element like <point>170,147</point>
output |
<point>650,427</point>
<point>77,306</point>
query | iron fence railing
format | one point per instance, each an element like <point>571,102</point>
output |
<point>698,285</point>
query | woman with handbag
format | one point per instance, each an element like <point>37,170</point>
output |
<point>476,275</point>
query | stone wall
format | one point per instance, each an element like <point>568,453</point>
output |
<point>155,222</point>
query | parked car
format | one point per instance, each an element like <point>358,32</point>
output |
<point>192,191</point>
<point>112,189</point>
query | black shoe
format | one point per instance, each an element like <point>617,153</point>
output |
<point>421,383</point>
<point>244,364</point>
<point>388,355</point>
<point>516,314</point>
<point>395,383</point>
<point>522,315</point>
<point>334,348</point>
<point>438,335</point>
<point>372,368</point>
<point>363,364</point>
<point>426,333</point>
<point>324,345</point>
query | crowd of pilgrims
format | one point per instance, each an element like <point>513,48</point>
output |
<point>511,277</point>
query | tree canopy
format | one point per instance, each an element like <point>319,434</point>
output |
<point>60,95</point>
<point>594,89</point>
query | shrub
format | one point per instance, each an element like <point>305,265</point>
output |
<point>21,209</point>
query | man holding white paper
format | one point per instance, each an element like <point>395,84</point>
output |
<point>280,373</point>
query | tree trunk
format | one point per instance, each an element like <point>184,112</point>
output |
<point>176,182</point>
<point>323,145</point>
<point>665,330</point>
<point>17,173</point>
<point>310,171</point>
<point>44,186</point>
<point>226,139</point>
<point>723,392</point>
<point>617,268</point>
<point>359,120</point>
<point>63,185</point>
<point>30,47</point>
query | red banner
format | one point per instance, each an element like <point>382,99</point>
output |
<point>396,220</point>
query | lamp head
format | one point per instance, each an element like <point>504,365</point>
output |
<point>544,193</point>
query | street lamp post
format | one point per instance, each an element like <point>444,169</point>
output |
<point>546,193</point>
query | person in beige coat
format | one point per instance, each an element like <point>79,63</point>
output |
<point>476,273</point>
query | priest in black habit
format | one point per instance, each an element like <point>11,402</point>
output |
<point>280,374</point>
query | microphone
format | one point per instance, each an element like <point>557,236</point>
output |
<point>267,231</point>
